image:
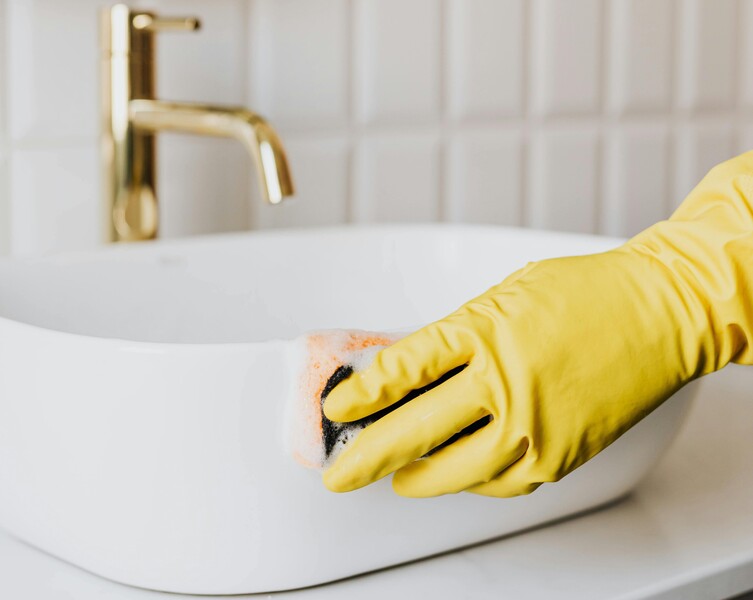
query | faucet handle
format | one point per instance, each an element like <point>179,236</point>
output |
<point>151,23</point>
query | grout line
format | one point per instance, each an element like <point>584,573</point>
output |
<point>523,125</point>
<point>351,131</point>
<point>246,83</point>
<point>555,123</point>
<point>671,171</point>
<point>600,182</point>
<point>740,73</point>
<point>349,213</point>
<point>443,105</point>
<point>675,57</point>
<point>524,141</point>
<point>737,68</point>
<point>349,84</point>
<point>246,61</point>
<point>737,45</point>
<point>605,59</point>
<point>5,150</point>
<point>4,57</point>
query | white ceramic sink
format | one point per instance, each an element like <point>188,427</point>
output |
<point>142,394</point>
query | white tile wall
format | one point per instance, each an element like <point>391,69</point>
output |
<point>640,36</point>
<point>566,56</point>
<point>4,198</point>
<point>484,170</point>
<point>585,115</point>
<point>4,205</point>
<point>397,178</point>
<point>745,138</point>
<point>207,65</point>
<point>191,205</point>
<point>397,57</point>
<point>281,32</point>
<point>54,200</point>
<point>321,166</point>
<point>563,175</point>
<point>485,58</point>
<point>53,62</point>
<point>708,56</point>
<point>700,146</point>
<point>635,178</point>
<point>745,73</point>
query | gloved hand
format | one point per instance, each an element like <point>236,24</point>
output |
<point>565,355</point>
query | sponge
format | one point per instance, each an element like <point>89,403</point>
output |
<point>330,357</point>
<point>327,358</point>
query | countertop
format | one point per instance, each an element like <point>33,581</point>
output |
<point>686,532</point>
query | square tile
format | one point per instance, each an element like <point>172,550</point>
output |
<point>708,54</point>
<point>641,50</point>
<point>299,61</point>
<point>397,60</point>
<point>202,185</point>
<point>636,179</point>
<point>5,229</point>
<point>745,66</point>
<point>56,201</point>
<point>206,65</point>
<point>566,56</point>
<point>563,170</point>
<point>397,178</point>
<point>320,169</point>
<point>3,80</point>
<point>699,147</point>
<point>53,69</point>
<point>485,57</point>
<point>484,176</point>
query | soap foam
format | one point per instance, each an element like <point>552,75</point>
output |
<point>319,355</point>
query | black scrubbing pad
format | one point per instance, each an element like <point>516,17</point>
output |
<point>335,433</point>
<point>331,430</point>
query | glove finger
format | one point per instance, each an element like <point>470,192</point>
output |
<point>517,480</point>
<point>411,363</point>
<point>406,434</point>
<point>467,462</point>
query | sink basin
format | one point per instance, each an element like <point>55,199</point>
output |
<point>142,399</point>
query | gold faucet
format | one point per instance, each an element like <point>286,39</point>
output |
<point>132,116</point>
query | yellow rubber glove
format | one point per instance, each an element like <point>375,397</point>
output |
<point>565,355</point>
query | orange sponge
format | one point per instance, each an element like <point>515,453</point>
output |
<point>328,357</point>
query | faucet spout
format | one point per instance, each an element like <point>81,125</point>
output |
<point>132,116</point>
<point>258,136</point>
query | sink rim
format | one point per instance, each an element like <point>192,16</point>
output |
<point>145,249</point>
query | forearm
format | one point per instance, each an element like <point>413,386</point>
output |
<point>707,244</point>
